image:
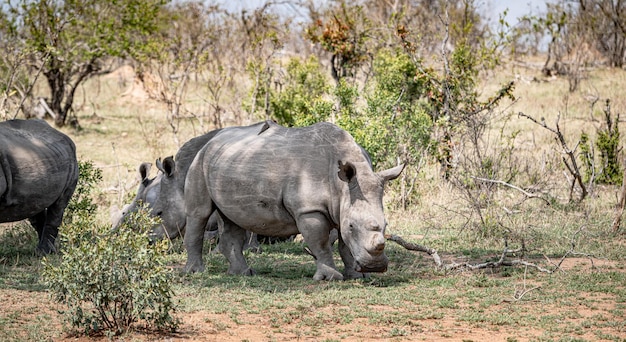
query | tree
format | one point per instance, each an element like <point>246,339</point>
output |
<point>607,20</point>
<point>344,34</point>
<point>74,40</point>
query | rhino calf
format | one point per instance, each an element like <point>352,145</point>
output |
<point>278,181</point>
<point>38,175</point>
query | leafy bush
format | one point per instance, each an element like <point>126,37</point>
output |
<point>608,143</point>
<point>300,99</point>
<point>109,280</point>
<point>81,204</point>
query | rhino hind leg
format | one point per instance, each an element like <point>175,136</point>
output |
<point>315,231</point>
<point>46,233</point>
<point>193,240</point>
<point>232,239</point>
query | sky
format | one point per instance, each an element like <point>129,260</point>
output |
<point>517,8</point>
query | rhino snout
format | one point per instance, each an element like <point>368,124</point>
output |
<point>371,267</point>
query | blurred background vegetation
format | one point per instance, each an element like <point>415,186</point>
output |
<point>413,81</point>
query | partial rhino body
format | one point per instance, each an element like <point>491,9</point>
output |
<point>163,194</point>
<point>38,175</point>
<point>278,181</point>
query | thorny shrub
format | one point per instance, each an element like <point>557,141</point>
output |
<point>110,280</point>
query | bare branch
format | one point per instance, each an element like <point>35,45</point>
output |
<point>416,247</point>
<point>527,194</point>
<point>570,162</point>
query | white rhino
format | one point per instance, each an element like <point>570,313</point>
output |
<point>38,175</point>
<point>163,194</point>
<point>279,181</point>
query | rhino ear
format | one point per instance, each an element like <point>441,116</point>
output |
<point>392,173</point>
<point>167,166</point>
<point>144,170</point>
<point>347,171</point>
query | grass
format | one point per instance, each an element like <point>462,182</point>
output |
<point>411,301</point>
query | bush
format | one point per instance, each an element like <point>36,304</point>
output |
<point>110,280</point>
<point>81,203</point>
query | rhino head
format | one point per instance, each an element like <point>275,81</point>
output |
<point>169,205</point>
<point>362,220</point>
<point>160,194</point>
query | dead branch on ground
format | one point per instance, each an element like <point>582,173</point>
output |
<point>501,262</point>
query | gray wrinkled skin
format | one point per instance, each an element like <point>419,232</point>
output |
<point>278,181</point>
<point>38,175</point>
<point>163,194</point>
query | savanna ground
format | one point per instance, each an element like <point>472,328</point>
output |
<point>584,299</point>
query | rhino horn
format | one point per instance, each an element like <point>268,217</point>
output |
<point>392,173</point>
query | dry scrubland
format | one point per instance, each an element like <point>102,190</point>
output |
<point>584,300</point>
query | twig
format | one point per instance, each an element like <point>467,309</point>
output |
<point>526,193</point>
<point>519,294</point>
<point>571,164</point>
<point>499,263</point>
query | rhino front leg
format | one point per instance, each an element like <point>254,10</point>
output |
<point>232,239</point>
<point>349,271</point>
<point>315,230</point>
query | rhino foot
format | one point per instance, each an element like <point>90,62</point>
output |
<point>325,272</point>
<point>352,274</point>
<point>193,267</point>
<point>245,272</point>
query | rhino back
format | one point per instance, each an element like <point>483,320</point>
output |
<point>41,166</point>
<point>264,181</point>
<point>186,154</point>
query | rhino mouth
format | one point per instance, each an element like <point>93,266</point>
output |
<point>371,268</point>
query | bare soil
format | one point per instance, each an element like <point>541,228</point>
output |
<point>206,326</point>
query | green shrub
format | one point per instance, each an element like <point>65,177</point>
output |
<point>81,203</point>
<point>608,143</point>
<point>109,280</point>
<point>300,99</point>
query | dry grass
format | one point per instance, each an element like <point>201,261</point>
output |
<point>122,128</point>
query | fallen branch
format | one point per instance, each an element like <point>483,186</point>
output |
<point>416,247</point>
<point>453,266</point>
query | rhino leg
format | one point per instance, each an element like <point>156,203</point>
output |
<point>46,223</point>
<point>193,241</point>
<point>349,271</point>
<point>232,239</point>
<point>315,229</point>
